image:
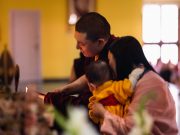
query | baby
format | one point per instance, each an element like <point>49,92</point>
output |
<point>114,95</point>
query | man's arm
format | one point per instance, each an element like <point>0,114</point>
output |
<point>74,87</point>
<point>71,88</point>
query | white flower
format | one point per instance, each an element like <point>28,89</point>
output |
<point>143,123</point>
<point>136,131</point>
<point>148,121</point>
<point>78,124</point>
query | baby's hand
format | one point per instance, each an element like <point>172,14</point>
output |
<point>98,110</point>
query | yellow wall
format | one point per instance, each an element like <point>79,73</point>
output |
<point>58,43</point>
<point>124,16</point>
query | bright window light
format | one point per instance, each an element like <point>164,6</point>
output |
<point>169,23</point>
<point>152,53</point>
<point>151,23</point>
<point>169,52</point>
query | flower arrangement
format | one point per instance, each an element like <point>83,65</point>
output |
<point>24,114</point>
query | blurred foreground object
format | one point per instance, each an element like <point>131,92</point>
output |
<point>24,114</point>
<point>77,122</point>
<point>143,121</point>
<point>8,71</point>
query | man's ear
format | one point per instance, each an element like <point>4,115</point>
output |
<point>101,42</point>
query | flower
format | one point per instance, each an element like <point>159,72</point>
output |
<point>143,123</point>
<point>143,120</point>
<point>22,114</point>
<point>77,123</point>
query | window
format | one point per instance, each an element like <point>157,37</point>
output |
<point>148,49</point>
<point>160,33</point>
<point>169,52</point>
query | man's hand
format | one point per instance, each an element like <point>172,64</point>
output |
<point>41,97</point>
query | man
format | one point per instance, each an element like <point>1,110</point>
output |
<point>92,32</point>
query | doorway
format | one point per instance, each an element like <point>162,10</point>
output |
<point>25,44</point>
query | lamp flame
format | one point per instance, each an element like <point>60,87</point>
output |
<point>26,89</point>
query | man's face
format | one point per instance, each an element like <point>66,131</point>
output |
<point>87,47</point>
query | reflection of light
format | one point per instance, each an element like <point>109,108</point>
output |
<point>148,50</point>
<point>169,52</point>
<point>72,19</point>
<point>26,89</point>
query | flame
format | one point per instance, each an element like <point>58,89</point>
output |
<point>26,89</point>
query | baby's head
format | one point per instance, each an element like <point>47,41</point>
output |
<point>97,73</point>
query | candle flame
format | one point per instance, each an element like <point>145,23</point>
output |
<point>26,89</point>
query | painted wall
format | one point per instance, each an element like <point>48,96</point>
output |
<point>125,16</point>
<point>57,39</point>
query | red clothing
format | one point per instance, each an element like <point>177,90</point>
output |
<point>161,108</point>
<point>110,100</point>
